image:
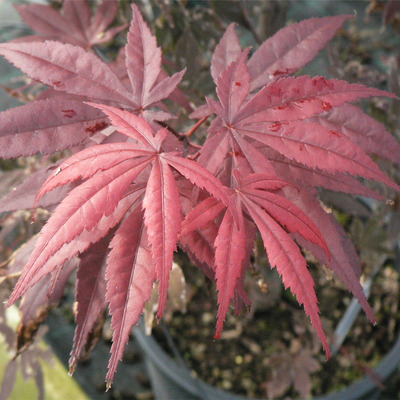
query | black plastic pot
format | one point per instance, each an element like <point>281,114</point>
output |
<point>172,381</point>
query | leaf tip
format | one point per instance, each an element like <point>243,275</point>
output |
<point>328,354</point>
<point>11,301</point>
<point>72,366</point>
<point>108,384</point>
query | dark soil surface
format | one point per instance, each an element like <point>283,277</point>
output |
<point>272,351</point>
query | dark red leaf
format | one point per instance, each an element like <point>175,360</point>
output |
<point>90,295</point>
<point>130,276</point>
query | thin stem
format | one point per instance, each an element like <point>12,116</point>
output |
<point>191,131</point>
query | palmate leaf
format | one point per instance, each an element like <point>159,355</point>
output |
<point>161,201</point>
<point>62,122</point>
<point>276,116</point>
<point>74,24</point>
<point>113,185</point>
<point>270,212</point>
<point>143,60</point>
<point>286,139</point>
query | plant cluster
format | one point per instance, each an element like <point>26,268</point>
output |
<point>135,187</point>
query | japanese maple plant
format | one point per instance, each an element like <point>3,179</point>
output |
<point>134,189</point>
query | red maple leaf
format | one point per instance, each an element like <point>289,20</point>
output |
<point>59,119</point>
<point>73,24</point>
<point>274,139</point>
<point>138,178</point>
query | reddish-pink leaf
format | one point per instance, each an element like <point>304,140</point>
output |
<point>45,20</point>
<point>361,129</point>
<point>88,162</point>
<point>214,152</point>
<point>257,161</point>
<point>287,214</point>
<point>163,89</point>
<point>216,108</point>
<point>230,251</point>
<point>81,210</point>
<point>263,181</point>
<point>78,14</point>
<point>233,86</point>
<point>202,178</point>
<point>227,51</point>
<point>163,222</point>
<point>130,276</point>
<point>73,25</point>
<point>67,68</point>
<point>318,147</point>
<point>201,215</point>
<point>344,262</point>
<point>291,48</point>
<point>290,99</point>
<point>143,57</point>
<point>85,239</point>
<point>37,299</point>
<point>47,126</point>
<point>105,14</point>
<point>21,256</point>
<point>201,112</point>
<point>149,82</point>
<point>130,125</point>
<point>314,177</point>
<point>284,254</point>
<point>199,245</point>
<point>22,197</point>
<point>90,296</point>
